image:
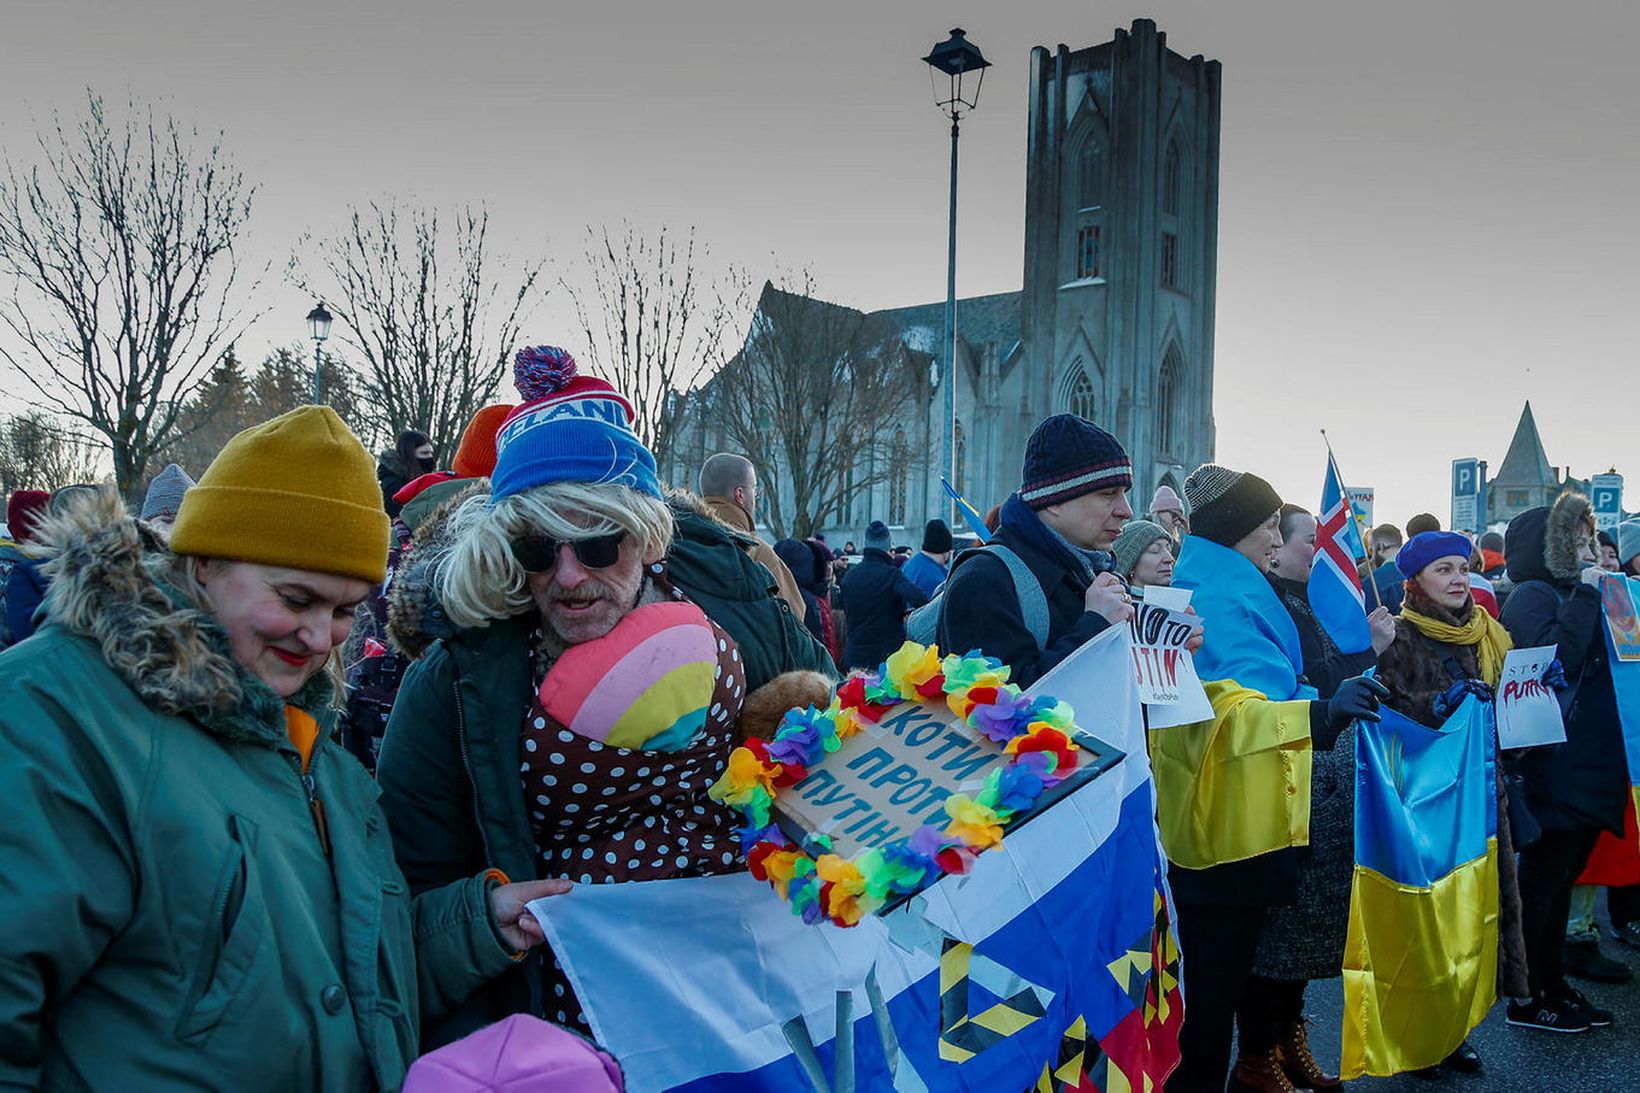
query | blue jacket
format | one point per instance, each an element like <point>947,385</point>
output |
<point>924,572</point>
<point>25,589</point>
<point>1391,585</point>
<point>981,609</point>
<point>876,597</point>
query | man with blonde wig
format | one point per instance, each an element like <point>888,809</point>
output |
<point>573,721</point>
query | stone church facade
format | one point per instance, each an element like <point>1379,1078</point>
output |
<point>1115,317</point>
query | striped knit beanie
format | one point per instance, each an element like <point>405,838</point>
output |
<point>1068,456</point>
<point>1136,537</point>
<point>570,428</point>
<point>1226,505</point>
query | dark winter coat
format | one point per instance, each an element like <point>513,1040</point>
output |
<point>1579,785</point>
<point>173,920</point>
<point>10,556</point>
<point>1306,940</point>
<point>714,566</point>
<point>799,558</point>
<point>1417,669</point>
<point>980,609</point>
<point>876,597</point>
<point>394,472</point>
<point>25,590</point>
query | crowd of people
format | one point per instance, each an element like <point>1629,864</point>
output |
<point>289,755</point>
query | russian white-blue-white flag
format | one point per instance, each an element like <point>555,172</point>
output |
<point>1335,583</point>
<point>1052,967</point>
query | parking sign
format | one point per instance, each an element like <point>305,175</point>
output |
<point>1606,494</point>
<point>1466,495</point>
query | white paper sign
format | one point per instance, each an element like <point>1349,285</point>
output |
<point>1528,712</point>
<point>1164,668</point>
<point>1174,599</point>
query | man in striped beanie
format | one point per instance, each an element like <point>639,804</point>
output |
<point>1043,586</point>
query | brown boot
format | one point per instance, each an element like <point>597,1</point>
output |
<point>1260,1074</point>
<point>1299,1063</point>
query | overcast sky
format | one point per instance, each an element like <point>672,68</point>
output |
<point>1426,210</point>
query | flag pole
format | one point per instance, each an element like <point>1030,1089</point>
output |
<point>1372,576</point>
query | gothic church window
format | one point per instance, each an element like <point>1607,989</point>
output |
<point>1087,251</point>
<point>1090,185</point>
<point>1168,385</point>
<point>897,484</point>
<point>959,449</point>
<point>1077,393</point>
<point>1172,179</point>
<point>1170,260</point>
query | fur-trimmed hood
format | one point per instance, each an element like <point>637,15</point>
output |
<point>415,614</point>
<point>1544,544</point>
<point>111,582</point>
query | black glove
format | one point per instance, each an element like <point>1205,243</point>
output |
<point>1356,700</point>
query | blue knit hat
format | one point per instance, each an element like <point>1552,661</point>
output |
<point>570,428</point>
<point>1068,456</point>
<point>1426,546</point>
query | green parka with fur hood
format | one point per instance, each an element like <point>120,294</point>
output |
<point>171,920</point>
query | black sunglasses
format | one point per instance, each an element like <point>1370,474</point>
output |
<point>538,554</point>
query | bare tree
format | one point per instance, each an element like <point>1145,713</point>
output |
<point>120,249</point>
<point>653,326</point>
<point>810,400</point>
<point>428,314</point>
<point>38,452</point>
<point>230,399</point>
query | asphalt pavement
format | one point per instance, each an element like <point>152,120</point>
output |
<point>1596,1061</point>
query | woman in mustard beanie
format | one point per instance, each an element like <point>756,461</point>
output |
<point>215,892</point>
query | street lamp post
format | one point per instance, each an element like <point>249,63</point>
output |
<point>953,59</point>
<point>319,328</point>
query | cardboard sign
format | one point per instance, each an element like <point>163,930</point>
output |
<point>1164,668</point>
<point>1528,712</point>
<point>893,777</point>
<point>1617,603</point>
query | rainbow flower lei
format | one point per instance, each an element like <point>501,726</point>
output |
<point>1035,732</point>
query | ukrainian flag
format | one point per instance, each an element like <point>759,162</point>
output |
<point>1420,965</point>
<point>1620,619</point>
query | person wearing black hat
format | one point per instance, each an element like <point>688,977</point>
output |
<point>876,597</point>
<point>927,569</point>
<point>1252,643</point>
<point>1061,524</point>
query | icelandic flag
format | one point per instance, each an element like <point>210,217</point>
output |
<point>1420,963</point>
<point>1052,967</point>
<point>1335,584</point>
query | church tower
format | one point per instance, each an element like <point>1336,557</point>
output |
<point>1121,246</point>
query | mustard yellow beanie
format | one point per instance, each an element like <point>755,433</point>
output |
<point>298,491</point>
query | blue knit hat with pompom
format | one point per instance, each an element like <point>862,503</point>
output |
<point>570,428</point>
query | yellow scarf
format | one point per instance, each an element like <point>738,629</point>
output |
<point>1482,631</point>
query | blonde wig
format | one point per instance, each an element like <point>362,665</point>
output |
<point>480,581</point>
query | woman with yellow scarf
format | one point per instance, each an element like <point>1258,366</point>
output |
<point>1445,648</point>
